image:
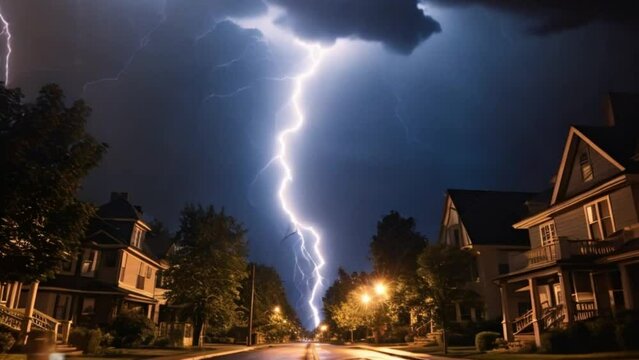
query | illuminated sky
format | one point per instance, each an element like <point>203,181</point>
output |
<point>190,96</point>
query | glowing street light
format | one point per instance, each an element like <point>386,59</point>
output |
<point>380,289</point>
<point>366,298</point>
<point>323,328</point>
<point>277,309</point>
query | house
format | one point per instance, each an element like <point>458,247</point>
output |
<point>116,269</point>
<point>584,256</point>
<point>481,221</point>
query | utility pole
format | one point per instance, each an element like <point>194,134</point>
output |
<point>250,334</point>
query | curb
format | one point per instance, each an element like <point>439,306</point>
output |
<point>409,357</point>
<point>209,355</point>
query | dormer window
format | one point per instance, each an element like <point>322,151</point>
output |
<point>586,166</point>
<point>137,237</point>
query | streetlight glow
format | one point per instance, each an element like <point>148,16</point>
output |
<point>380,289</point>
<point>277,309</point>
<point>366,298</point>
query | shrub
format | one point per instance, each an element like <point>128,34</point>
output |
<point>6,342</point>
<point>88,340</point>
<point>485,340</point>
<point>575,339</point>
<point>602,335</point>
<point>627,333</point>
<point>132,329</point>
<point>162,342</point>
<point>176,338</point>
<point>554,341</point>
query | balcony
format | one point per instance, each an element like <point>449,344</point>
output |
<point>563,249</point>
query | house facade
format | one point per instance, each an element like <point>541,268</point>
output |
<point>116,269</point>
<point>481,221</point>
<point>584,256</point>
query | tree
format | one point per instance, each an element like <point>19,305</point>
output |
<point>338,293</point>
<point>394,249</point>
<point>45,153</point>
<point>272,312</point>
<point>350,314</point>
<point>208,267</point>
<point>444,271</point>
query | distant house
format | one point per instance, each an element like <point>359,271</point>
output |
<point>481,221</point>
<point>584,256</point>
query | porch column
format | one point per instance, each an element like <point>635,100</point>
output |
<point>566,293</point>
<point>536,309</point>
<point>626,285</point>
<point>458,312</point>
<point>13,294</point>
<point>28,310</point>
<point>506,322</point>
<point>66,330</point>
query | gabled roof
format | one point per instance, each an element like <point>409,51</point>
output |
<point>119,208</point>
<point>617,144</point>
<point>488,216</point>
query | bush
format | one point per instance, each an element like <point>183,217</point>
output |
<point>627,333</point>
<point>485,340</point>
<point>132,329</point>
<point>176,338</point>
<point>602,335</point>
<point>574,339</point>
<point>6,342</point>
<point>162,342</point>
<point>88,340</point>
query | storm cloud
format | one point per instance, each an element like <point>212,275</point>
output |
<point>551,16</point>
<point>398,24</point>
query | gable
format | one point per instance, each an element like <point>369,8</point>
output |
<point>452,230</point>
<point>584,166</point>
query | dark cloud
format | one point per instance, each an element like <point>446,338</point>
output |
<point>398,24</point>
<point>557,15</point>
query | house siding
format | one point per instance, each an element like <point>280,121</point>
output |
<point>131,274</point>
<point>601,167</point>
<point>535,237</point>
<point>571,224</point>
<point>623,206</point>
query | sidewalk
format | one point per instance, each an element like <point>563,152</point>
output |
<point>216,350</point>
<point>402,354</point>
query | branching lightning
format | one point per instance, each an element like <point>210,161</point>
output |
<point>6,31</point>
<point>315,53</point>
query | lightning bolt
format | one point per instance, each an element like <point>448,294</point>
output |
<point>7,32</point>
<point>315,54</point>
<point>144,41</point>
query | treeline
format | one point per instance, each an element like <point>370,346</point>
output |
<point>413,284</point>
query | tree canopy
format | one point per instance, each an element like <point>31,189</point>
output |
<point>45,153</point>
<point>208,267</point>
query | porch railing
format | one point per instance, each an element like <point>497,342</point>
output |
<point>522,322</point>
<point>552,316</point>
<point>563,249</point>
<point>10,319</point>
<point>585,310</point>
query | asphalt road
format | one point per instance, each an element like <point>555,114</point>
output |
<point>298,352</point>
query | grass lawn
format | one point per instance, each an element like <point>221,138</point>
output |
<point>13,357</point>
<point>141,353</point>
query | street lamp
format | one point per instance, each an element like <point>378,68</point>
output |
<point>323,328</point>
<point>277,309</point>
<point>380,289</point>
<point>366,298</point>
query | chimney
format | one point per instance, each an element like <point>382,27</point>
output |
<point>119,195</point>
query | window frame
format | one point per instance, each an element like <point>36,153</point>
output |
<point>599,219</point>
<point>84,301</point>
<point>137,236</point>
<point>123,261</point>
<point>94,255</point>
<point>553,240</point>
<point>588,163</point>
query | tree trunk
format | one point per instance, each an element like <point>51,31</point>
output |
<point>197,329</point>
<point>352,337</point>
<point>444,337</point>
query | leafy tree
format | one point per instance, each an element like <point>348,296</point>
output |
<point>338,293</point>
<point>444,271</point>
<point>208,267</point>
<point>271,306</point>
<point>350,314</point>
<point>45,153</point>
<point>394,251</point>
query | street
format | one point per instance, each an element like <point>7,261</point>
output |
<point>298,351</point>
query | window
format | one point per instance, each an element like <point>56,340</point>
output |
<point>474,272</point>
<point>89,262</point>
<point>61,305</point>
<point>137,236</point>
<point>548,233</point>
<point>4,292</point>
<point>149,272</point>
<point>68,267</point>
<point>599,219</point>
<point>140,281</point>
<point>159,279</point>
<point>586,166</point>
<point>123,266</point>
<point>88,306</point>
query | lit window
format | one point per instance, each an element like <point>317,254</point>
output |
<point>137,237</point>
<point>586,166</point>
<point>599,219</point>
<point>548,233</point>
<point>88,306</point>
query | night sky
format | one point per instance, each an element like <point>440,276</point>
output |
<point>190,95</point>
